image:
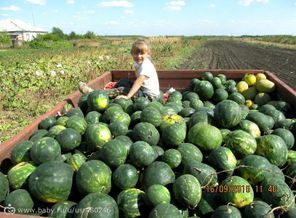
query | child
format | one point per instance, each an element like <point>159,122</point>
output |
<point>146,84</point>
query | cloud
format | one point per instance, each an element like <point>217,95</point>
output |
<point>112,22</point>
<point>249,2</point>
<point>176,5</point>
<point>128,11</point>
<point>212,5</point>
<point>10,8</point>
<point>83,15</point>
<point>36,2</point>
<point>70,1</point>
<point>4,15</point>
<point>117,4</point>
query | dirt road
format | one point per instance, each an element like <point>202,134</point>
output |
<point>224,54</point>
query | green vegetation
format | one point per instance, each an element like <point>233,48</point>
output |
<point>4,40</point>
<point>33,80</point>
<point>283,39</point>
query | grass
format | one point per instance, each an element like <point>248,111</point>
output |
<point>32,81</point>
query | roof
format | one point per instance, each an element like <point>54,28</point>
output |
<point>15,25</point>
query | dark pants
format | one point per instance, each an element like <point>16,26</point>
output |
<point>122,87</point>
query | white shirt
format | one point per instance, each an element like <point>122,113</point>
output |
<point>150,85</point>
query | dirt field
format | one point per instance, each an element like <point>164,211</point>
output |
<point>235,55</point>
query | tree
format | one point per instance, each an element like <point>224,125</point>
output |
<point>58,32</point>
<point>4,38</point>
<point>73,35</point>
<point>90,35</point>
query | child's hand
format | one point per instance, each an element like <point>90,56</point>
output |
<point>122,96</point>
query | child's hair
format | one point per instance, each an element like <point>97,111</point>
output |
<point>140,46</point>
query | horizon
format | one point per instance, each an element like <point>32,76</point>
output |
<point>157,18</point>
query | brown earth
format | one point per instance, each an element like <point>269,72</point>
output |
<point>223,54</point>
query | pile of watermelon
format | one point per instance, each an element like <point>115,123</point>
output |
<point>206,152</point>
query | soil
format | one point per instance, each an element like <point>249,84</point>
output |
<point>222,54</point>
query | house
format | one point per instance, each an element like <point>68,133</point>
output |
<point>19,30</point>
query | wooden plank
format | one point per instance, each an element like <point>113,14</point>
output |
<point>284,91</point>
<point>179,79</point>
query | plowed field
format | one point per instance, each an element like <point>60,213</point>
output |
<point>224,54</point>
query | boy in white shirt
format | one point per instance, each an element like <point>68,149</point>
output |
<point>146,84</point>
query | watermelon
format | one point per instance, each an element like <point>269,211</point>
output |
<point>98,100</point>
<point>98,205</point>
<point>18,174</point>
<point>189,153</point>
<point>286,135</point>
<point>172,157</point>
<point>126,141</point>
<point>63,209</point>
<point>78,123</point>
<point>198,117</point>
<point>216,82</point>
<point>227,114</point>
<point>114,153</point>
<point>208,203</point>
<point>110,112</point>
<point>146,132</point>
<point>135,118</point>
<point>92,117</point>
<point>69,139</point>
<point>226,211</point>
<point>223,159</point>
<point>140,103</point>
<point>93,176</point>
<point>158,194</point>
<point>125,176</point>
<point>205,174</point>
<point>250,127</point>
<point>62,120</point>
<point>51,182</point>
<point>39,134</point>
<point>4,188</point>
<point>264,122</point>
<point>277,193</point>
<point>74,111</point>
<point>76,160</point>
<point>258,209</point>
<point>237,97</point>
<point>47,122</point>
<point>205,136</point>
<point>45,149</point>
<point>253,168</point>
<point>187,190</point>
<point>220,94</point>
<point>122,118</point>
<point>158,173</point>
<point>131,202</point>
<point>151,115</point>
<point>20,201</point>
<point>21,152</point>
<point>55,130</point>
<point>97,135</point>
<point>118,128</point>
<point>273,148</point>
<point>241,143</point>
<point>141,154</point>
<point>165,211</point>
<point>174,134</point>
<point>237,191</point>
<point>204,89</point>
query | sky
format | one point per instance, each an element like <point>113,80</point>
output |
<point>157,17</point>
